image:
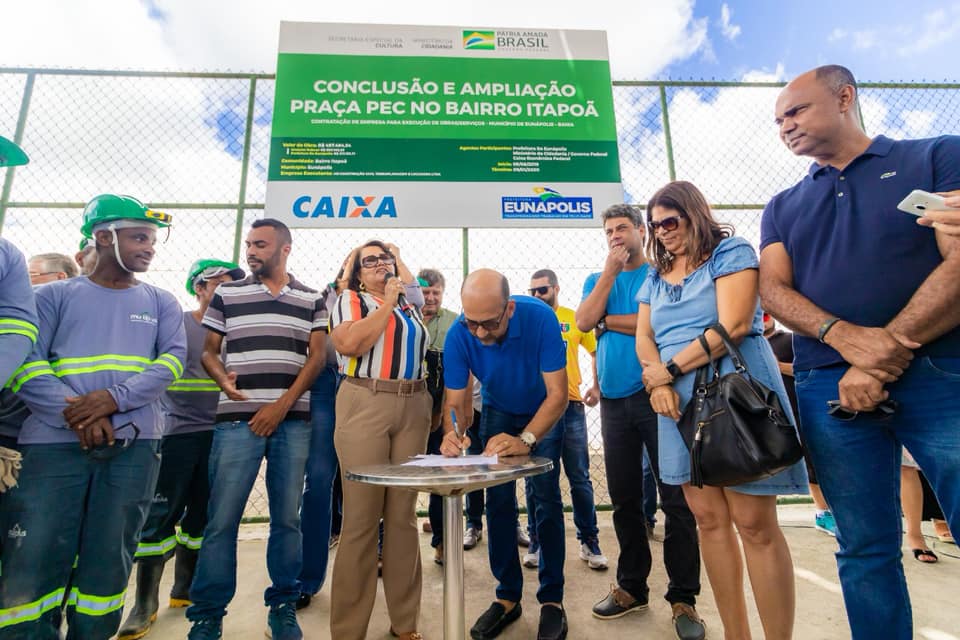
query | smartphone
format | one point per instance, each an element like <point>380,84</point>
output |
<point>919,202</point>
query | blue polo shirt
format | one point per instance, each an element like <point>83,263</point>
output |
<point>618,368</point>
<point>854,254</point>
<point>511,370</point>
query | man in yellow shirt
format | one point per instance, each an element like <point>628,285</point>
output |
<point>575,452</point>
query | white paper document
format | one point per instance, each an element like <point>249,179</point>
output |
<point>433,460</point>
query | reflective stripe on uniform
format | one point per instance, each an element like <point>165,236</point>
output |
<point>194,384</point>
<point>92,364</point>
<point>91,605</point>
<point>187,541</point>
<point>160,548</point>
<point>28,371</point>
<point>172,362</point>
<point>31,610</point>
<point>19,327</point>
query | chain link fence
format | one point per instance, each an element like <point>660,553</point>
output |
<point>197,145</point>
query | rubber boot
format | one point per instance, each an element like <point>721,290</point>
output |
<point>147,600</point>
<point>183,568</point>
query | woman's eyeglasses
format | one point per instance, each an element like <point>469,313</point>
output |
<point>667,224</point>
<point>370,262</point>
<point>488,325</point>
<point>539,291</point>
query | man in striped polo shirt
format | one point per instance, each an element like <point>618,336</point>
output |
<point>190,408</point>
<point>274,331</point>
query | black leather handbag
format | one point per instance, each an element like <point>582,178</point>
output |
<point>735,427</point>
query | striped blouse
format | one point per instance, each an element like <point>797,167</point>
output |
<point>399,351</point>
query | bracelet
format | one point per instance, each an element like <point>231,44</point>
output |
<point>825,327</point>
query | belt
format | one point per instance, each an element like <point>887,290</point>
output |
<point>399,387</point>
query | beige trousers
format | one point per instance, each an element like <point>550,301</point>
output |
<point>377,428</point>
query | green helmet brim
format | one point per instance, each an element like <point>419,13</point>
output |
<point>11,155</point>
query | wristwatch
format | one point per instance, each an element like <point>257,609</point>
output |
<point>673,369</point>
<point>528,439</point>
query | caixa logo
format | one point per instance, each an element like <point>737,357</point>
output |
<point>345,207</point>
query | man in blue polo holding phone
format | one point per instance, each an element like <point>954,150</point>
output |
<point>877,332</point>
<point>512,344</point>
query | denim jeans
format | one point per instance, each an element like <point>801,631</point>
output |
<point>858,467</point>
<point>234,462</point>
<point>501,507</point>
<point>628,424</point>
<point>575,453</point>
<point>649,489</point>
<point>316,511</point>
<point>70,529</point>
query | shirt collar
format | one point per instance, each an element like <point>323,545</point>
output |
<point>880,147</point>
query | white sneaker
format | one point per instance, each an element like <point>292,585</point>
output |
<point>531,559</point>
<point>591,554</point>
<point>471,537</point>
<point>523,538</point>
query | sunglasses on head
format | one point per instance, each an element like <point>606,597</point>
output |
<point>488,325</point>
<point>669,223</point>
<point>884,410</point>
<point>371,261</point>
<point>542,291</point>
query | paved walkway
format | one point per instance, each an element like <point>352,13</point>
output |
<point>820,615</point>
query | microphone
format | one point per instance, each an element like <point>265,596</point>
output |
<point>405,307</point>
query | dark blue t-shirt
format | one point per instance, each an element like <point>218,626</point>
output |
<point>854,254</point>
<point>510,371</point>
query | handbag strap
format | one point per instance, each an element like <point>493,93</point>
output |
<point>738,362</point>
<point>703,373</point>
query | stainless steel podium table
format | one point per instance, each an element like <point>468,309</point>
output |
<point>451,483</point>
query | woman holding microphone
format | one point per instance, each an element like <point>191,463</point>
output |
<point>383,416</point>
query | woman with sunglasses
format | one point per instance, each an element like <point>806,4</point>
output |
<point>701,274</point>
<point>382,416</point>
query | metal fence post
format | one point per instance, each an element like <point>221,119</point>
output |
<point>671,169</point>
<point>17,139</point>
<point>244,166</point>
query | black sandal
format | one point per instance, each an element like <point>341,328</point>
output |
<point>927,553</point>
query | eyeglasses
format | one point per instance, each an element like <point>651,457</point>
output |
<point>540,291</point>
<point>110,451</point>
<point>488,325</point>
<point>884,410</point>
<point>667,224</point>
<point>370,262</point>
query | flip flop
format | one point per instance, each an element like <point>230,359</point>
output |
<point>926,553</point>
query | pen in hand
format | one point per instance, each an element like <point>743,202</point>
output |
<point>456,430</point>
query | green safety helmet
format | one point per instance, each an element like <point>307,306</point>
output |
<point>210,268</point>
<point>109,207</point>
<point>10,154</point>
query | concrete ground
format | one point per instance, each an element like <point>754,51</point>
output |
<point>820,615</point>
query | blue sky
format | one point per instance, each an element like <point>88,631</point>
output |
<point>889,41</point>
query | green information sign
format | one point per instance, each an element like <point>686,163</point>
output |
<point>441,126</point>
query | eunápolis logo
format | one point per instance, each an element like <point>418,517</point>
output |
<point>480,40</point>
<point>548,203</point>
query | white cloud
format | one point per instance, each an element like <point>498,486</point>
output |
<point>837,34</point>
<point>763,75</point>
<point>729,30</point>
<point>242,35</point>
<point>867,39</point>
